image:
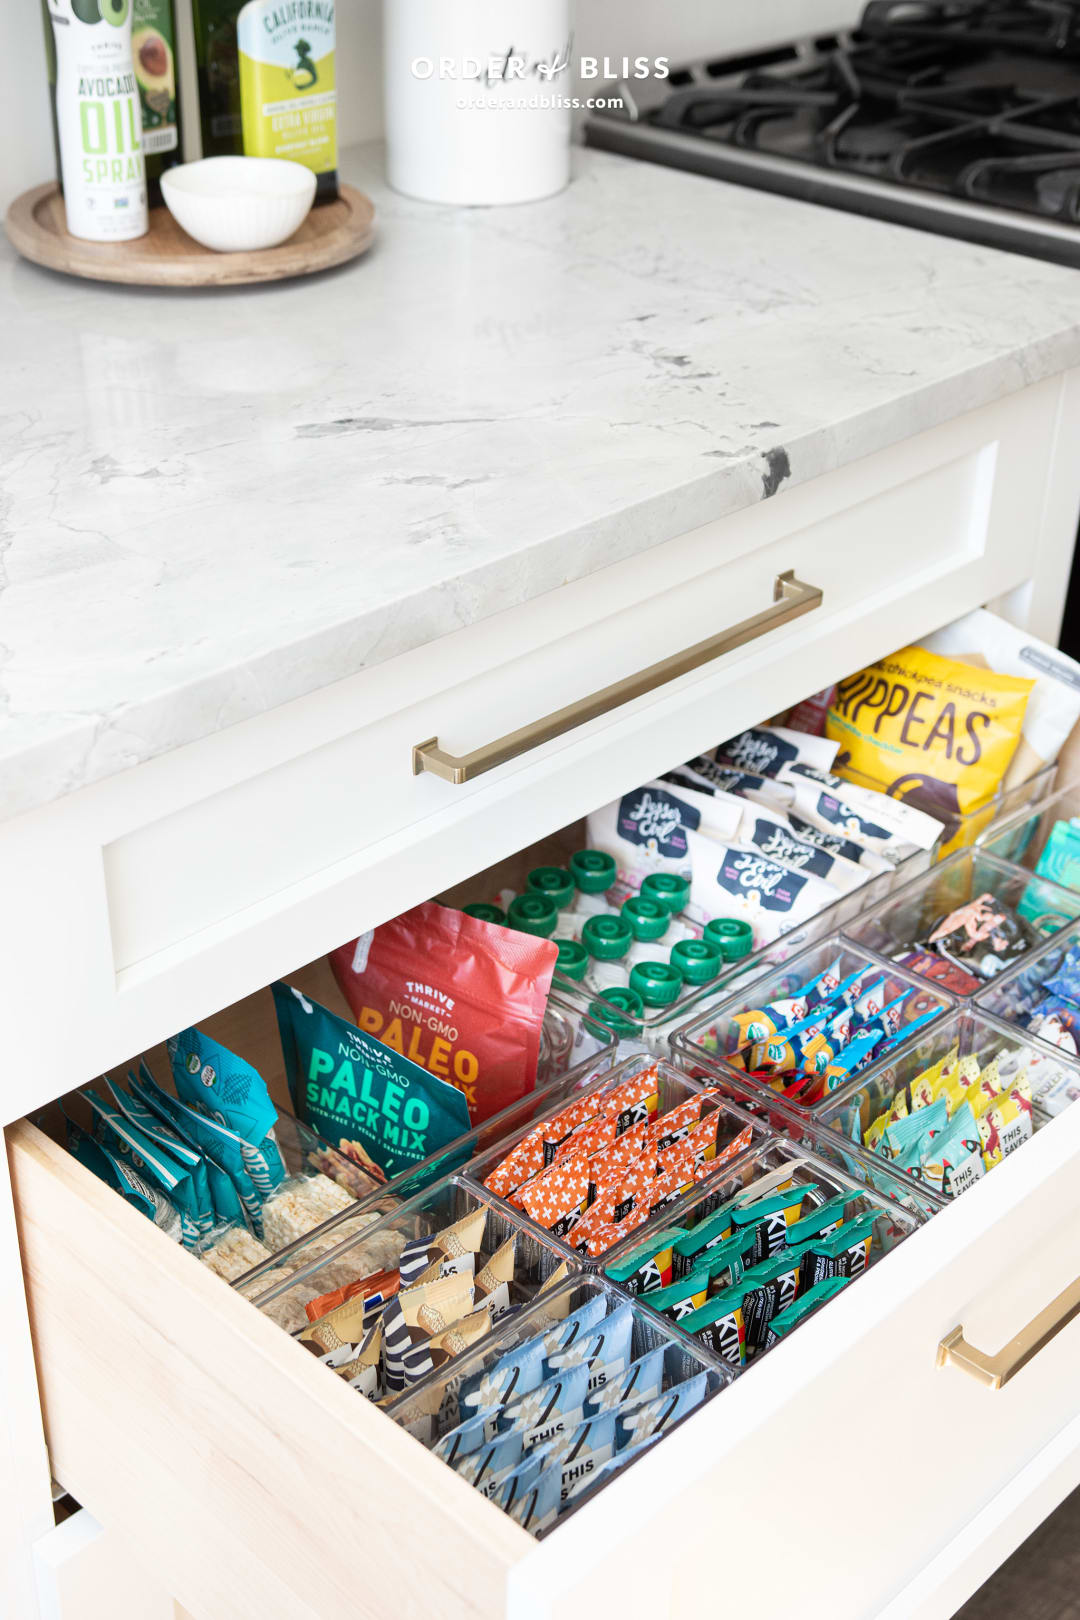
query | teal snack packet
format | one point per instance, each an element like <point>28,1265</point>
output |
<point>149,1161</point>
<point>112,1170</point>
<point>913,1131</point>
<point>642,1270</point>
<point>639,1421</point>
<point>642,1380</point>
<point>137,1113</point>
<point>844,1253</point>
<point>796,1314</point>
<point>719,1326</point>
<point>226,1149</point>
<point>821,1220</point>
<point>217,1083</point>
<point>768,1289</point>
<point>223,1194</point>
<point>375,1105</point>
<point>764,1223</point>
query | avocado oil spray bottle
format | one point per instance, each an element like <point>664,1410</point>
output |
<point>98,121</point>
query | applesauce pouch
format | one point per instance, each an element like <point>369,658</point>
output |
<point>760,1024</point>
<point>638,1421</point>
<point>642,1381</point>
<point>551,1410</point>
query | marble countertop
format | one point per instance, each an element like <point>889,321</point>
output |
<point>213,503</point>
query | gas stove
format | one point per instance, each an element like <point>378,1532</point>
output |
<point>960,117</point>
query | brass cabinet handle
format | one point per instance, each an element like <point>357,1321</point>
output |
<point>791,599</point>
<point>993,1371</point>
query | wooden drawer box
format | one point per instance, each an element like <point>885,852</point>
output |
<point>255,1483</point>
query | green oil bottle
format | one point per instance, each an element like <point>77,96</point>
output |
<point>153,49</point>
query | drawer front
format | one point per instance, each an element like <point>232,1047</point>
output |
<point>186,882</point>
<point>255,1482</point>
<point>193,1428</point>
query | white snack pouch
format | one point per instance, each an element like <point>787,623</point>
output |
<point>888,826</point>
<point>1053,706</point>
<point>771,833</point>
<point>731,880</point>
<point>764,750</point>
<point>646,830</point>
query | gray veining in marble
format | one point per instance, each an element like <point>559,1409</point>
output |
<point>213,503</point>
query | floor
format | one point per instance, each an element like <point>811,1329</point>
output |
<point>1041,1581</point>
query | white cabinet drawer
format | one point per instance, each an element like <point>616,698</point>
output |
<point>254,1482</point>
<point>190,879</point>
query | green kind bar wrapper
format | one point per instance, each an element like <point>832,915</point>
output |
<point>377,1107</point>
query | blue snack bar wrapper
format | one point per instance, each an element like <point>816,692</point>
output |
<point>111,1169</point>
<point>217,1083</point>
<point>606,1353</point>
<point>516,1373</point>
<point>579,1323</point>
<point>224,1196</point>
<point>638,1421</point>
<point>376,1106</point>
<point>642,1380</point>
<point>550,1410</point>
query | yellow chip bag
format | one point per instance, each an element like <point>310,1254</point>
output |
<point>927,729</point>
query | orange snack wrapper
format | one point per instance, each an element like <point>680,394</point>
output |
<point>383,1283</point>
<point>557,1197</point>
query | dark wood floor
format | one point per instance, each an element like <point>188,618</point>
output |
<point>1041,1581</point>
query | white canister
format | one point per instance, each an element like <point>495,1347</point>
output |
<point>478,98</point>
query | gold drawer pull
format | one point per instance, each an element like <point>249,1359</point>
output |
<point>791,600</point>
<point>993,1371</point>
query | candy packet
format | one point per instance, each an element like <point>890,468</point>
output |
<point>110,1168</point>
<point>1006,1123</point>
<point>382,1111</point>
<point>453,1249</point>
<point>460,998</point>
<point>413,1318</point>
<point>982,937</point>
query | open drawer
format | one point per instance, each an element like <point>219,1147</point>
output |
<point>255,1482</point>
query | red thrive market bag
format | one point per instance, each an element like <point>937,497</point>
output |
<point>463,998</point>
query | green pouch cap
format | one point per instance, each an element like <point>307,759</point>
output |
<point>647,918</point>
<point>572,960</point>
<point>110,1168</point>
<point>533,913</point>
<point>671,890</point>
<point>794,1315</point>
<point>733,937</point>
<point>608,938</point>
<point>809,1226</point>
<point>593,871</point>
<point>555,883</point>
<point>625,1269</point>
<point>621,1010</point>
<point>375,1105</point>
<point>657,983</point>
<point>186,1123</point>
<point>483,911</point>
<point>152,1163</point>
<point>696,961</point>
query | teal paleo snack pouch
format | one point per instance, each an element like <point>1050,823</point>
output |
<point>221,1085</point>
<point>378,1108</point>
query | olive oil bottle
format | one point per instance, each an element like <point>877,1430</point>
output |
<point>153,50</point>
<point>288,97</point>
<point>218,70</point>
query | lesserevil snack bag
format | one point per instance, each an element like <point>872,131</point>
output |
<point>927,729</point>
<point>463,998</point>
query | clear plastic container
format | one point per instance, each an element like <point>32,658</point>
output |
<point>432,1408</point>
<point>907,918</point>
<point>1022,838</point>
<point>803,1166</point>
<point>978,826</point>
<point>673,1088</point>
<point>553,1090</point>
<point>706,1045</point>
<point>853,1109</point>
<point>1014,996</point>
<point>372,1240</point>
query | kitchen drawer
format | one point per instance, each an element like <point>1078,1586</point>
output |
<point>256,1483</point>
<point>197,875</point>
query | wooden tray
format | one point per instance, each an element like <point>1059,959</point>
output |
<point>166,256</point>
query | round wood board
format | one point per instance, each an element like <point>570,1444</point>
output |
<point>167,256</point>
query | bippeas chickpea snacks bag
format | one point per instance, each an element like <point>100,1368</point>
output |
<point>928,729</point>
<point>463,998</point>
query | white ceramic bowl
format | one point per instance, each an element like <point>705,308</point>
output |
<point>239,204</point>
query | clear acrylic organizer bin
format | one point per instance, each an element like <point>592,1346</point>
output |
<point>737,1132</point>
<point>653,1030</point>
<point>904,921</point>
<point>1015,996</point>
<point>517,1116</point>
<point>432,1408</point>
<point>706,1046</point>
<point>1023,836</point>
<point>654,1266</point>
<point>373,1241</point>
<point>852,1110</point>
<point>977,826</point>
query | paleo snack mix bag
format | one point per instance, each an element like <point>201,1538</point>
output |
<point>463,998</point>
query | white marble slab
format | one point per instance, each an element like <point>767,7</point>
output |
<point>213,503</point>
